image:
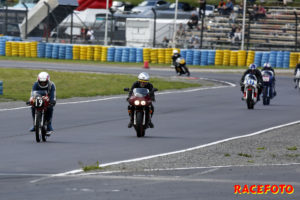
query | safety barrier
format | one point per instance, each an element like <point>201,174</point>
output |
<point>12,46</point>
<point>1,87</point>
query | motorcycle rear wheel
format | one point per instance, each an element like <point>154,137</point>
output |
<point>139,127</point>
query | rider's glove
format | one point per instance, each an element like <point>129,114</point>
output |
<point>53,102</point>
<point>127,99</point>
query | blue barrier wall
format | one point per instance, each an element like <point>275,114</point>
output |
<point>1,87</point>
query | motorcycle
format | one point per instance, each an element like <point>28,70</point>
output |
<point>40,104</point>
<point>181,68</point>
<point>141,102</point>
<point>268,86</point>
<point>297,79</point>
<point>250,90</point>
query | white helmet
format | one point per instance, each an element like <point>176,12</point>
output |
<point>43,79</point>
<point>267,65</point>
<point>144,77</point>
<point>175,51</point>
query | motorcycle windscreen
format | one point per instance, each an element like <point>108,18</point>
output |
<point>37,93</point>
<point>140,92</point>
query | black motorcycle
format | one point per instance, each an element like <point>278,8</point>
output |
<point>181,68</point>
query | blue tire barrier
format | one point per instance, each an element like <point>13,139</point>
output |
<point>2,46</point>
<point>132,54</point>
<point>49,48</point>
<point>257,58</point>
<point>196,57</point>
<point>69,52</point>
<point>118,54</point>
<point>62,51</point>
<point>189,56</point>
<point>111,54</point>
<point>41,50</point>
<point>279,59</point>
<point>286,59</point>
<point>139,55</point>
<point>55,50</point>
<point>211,57</point>
<point>272,58</point>
<point>125,55</point>
<point>16,39</point>
<point>265,58</point>
<point>183,54</point>
<point>1,87</point>
<point>204,58</point>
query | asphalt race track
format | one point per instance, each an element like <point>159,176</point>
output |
<point>86,132</point>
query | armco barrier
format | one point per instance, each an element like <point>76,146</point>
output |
<point>265,58</point>
<point>125,55</point>
<point>189,57</point>
<point>69,52</point>
<point>211,57</point>
<point>272,58</point>
<point>139,55</point>
<point>62,52</point>
<point>286,59</point>
<point>132,54</point>
<point>196,57</point>
<point>1,87</point>
<point>257,58</point>
<point>41,49</point>
<point>204,58</point>
<point>279,59</point>
<point>250,57</point>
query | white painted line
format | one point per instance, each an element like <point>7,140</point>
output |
<point>189,149</point>
<point>120,97</point>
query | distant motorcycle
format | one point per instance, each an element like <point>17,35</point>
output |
<point>40,103</point>
<point>141,102</point>
<point>180,67</point>
<point>297,79</point>
<point>268,86</point>
<point>250,90</point>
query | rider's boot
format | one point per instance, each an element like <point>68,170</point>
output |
<point>32,129</point>
<point>151,125</point>
<point>130,124</point>
<point>49,127</point>
<point>32,113</point>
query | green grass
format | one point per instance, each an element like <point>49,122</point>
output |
<point>260,148</point>
<point>294,148</point>
<point>17,84</point>
<point>245,155</point>
<point>93,167</point>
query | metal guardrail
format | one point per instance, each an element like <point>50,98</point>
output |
<point>1,87</point>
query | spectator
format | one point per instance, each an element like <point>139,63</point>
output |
<point>237,34</point>
<point>202,8</point>
<point>252,2</point>
<point>90,35</point>
<point>260,13</point>
<point>220,6</point>
<point>226,10</point>
<point>165,42</point>
<point>232,32</point>
<point>233,16</point>
<point>193,21</point>
<point>180,33</point>
<point>253,12</point>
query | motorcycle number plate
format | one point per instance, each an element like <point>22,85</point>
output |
<point>266,78</point>
<point>250,82</point>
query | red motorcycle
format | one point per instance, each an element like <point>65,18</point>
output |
<point>141,102</point>
<point>40,103</point>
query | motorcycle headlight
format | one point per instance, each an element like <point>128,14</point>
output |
<point>136,102</point>
<point>143,103</point>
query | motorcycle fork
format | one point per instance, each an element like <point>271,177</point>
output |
<point>144,117</point>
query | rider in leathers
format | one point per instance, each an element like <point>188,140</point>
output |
<point>268,67</point>
<point>43,83</point>
<point>175,56</point>
<point>253,70</point>
<point>143,82</point>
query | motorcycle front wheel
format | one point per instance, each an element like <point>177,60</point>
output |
<point>38,128</point>
<point>250,103</point>
<point>139,127</point>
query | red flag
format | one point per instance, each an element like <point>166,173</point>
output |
<point>99,4</point>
